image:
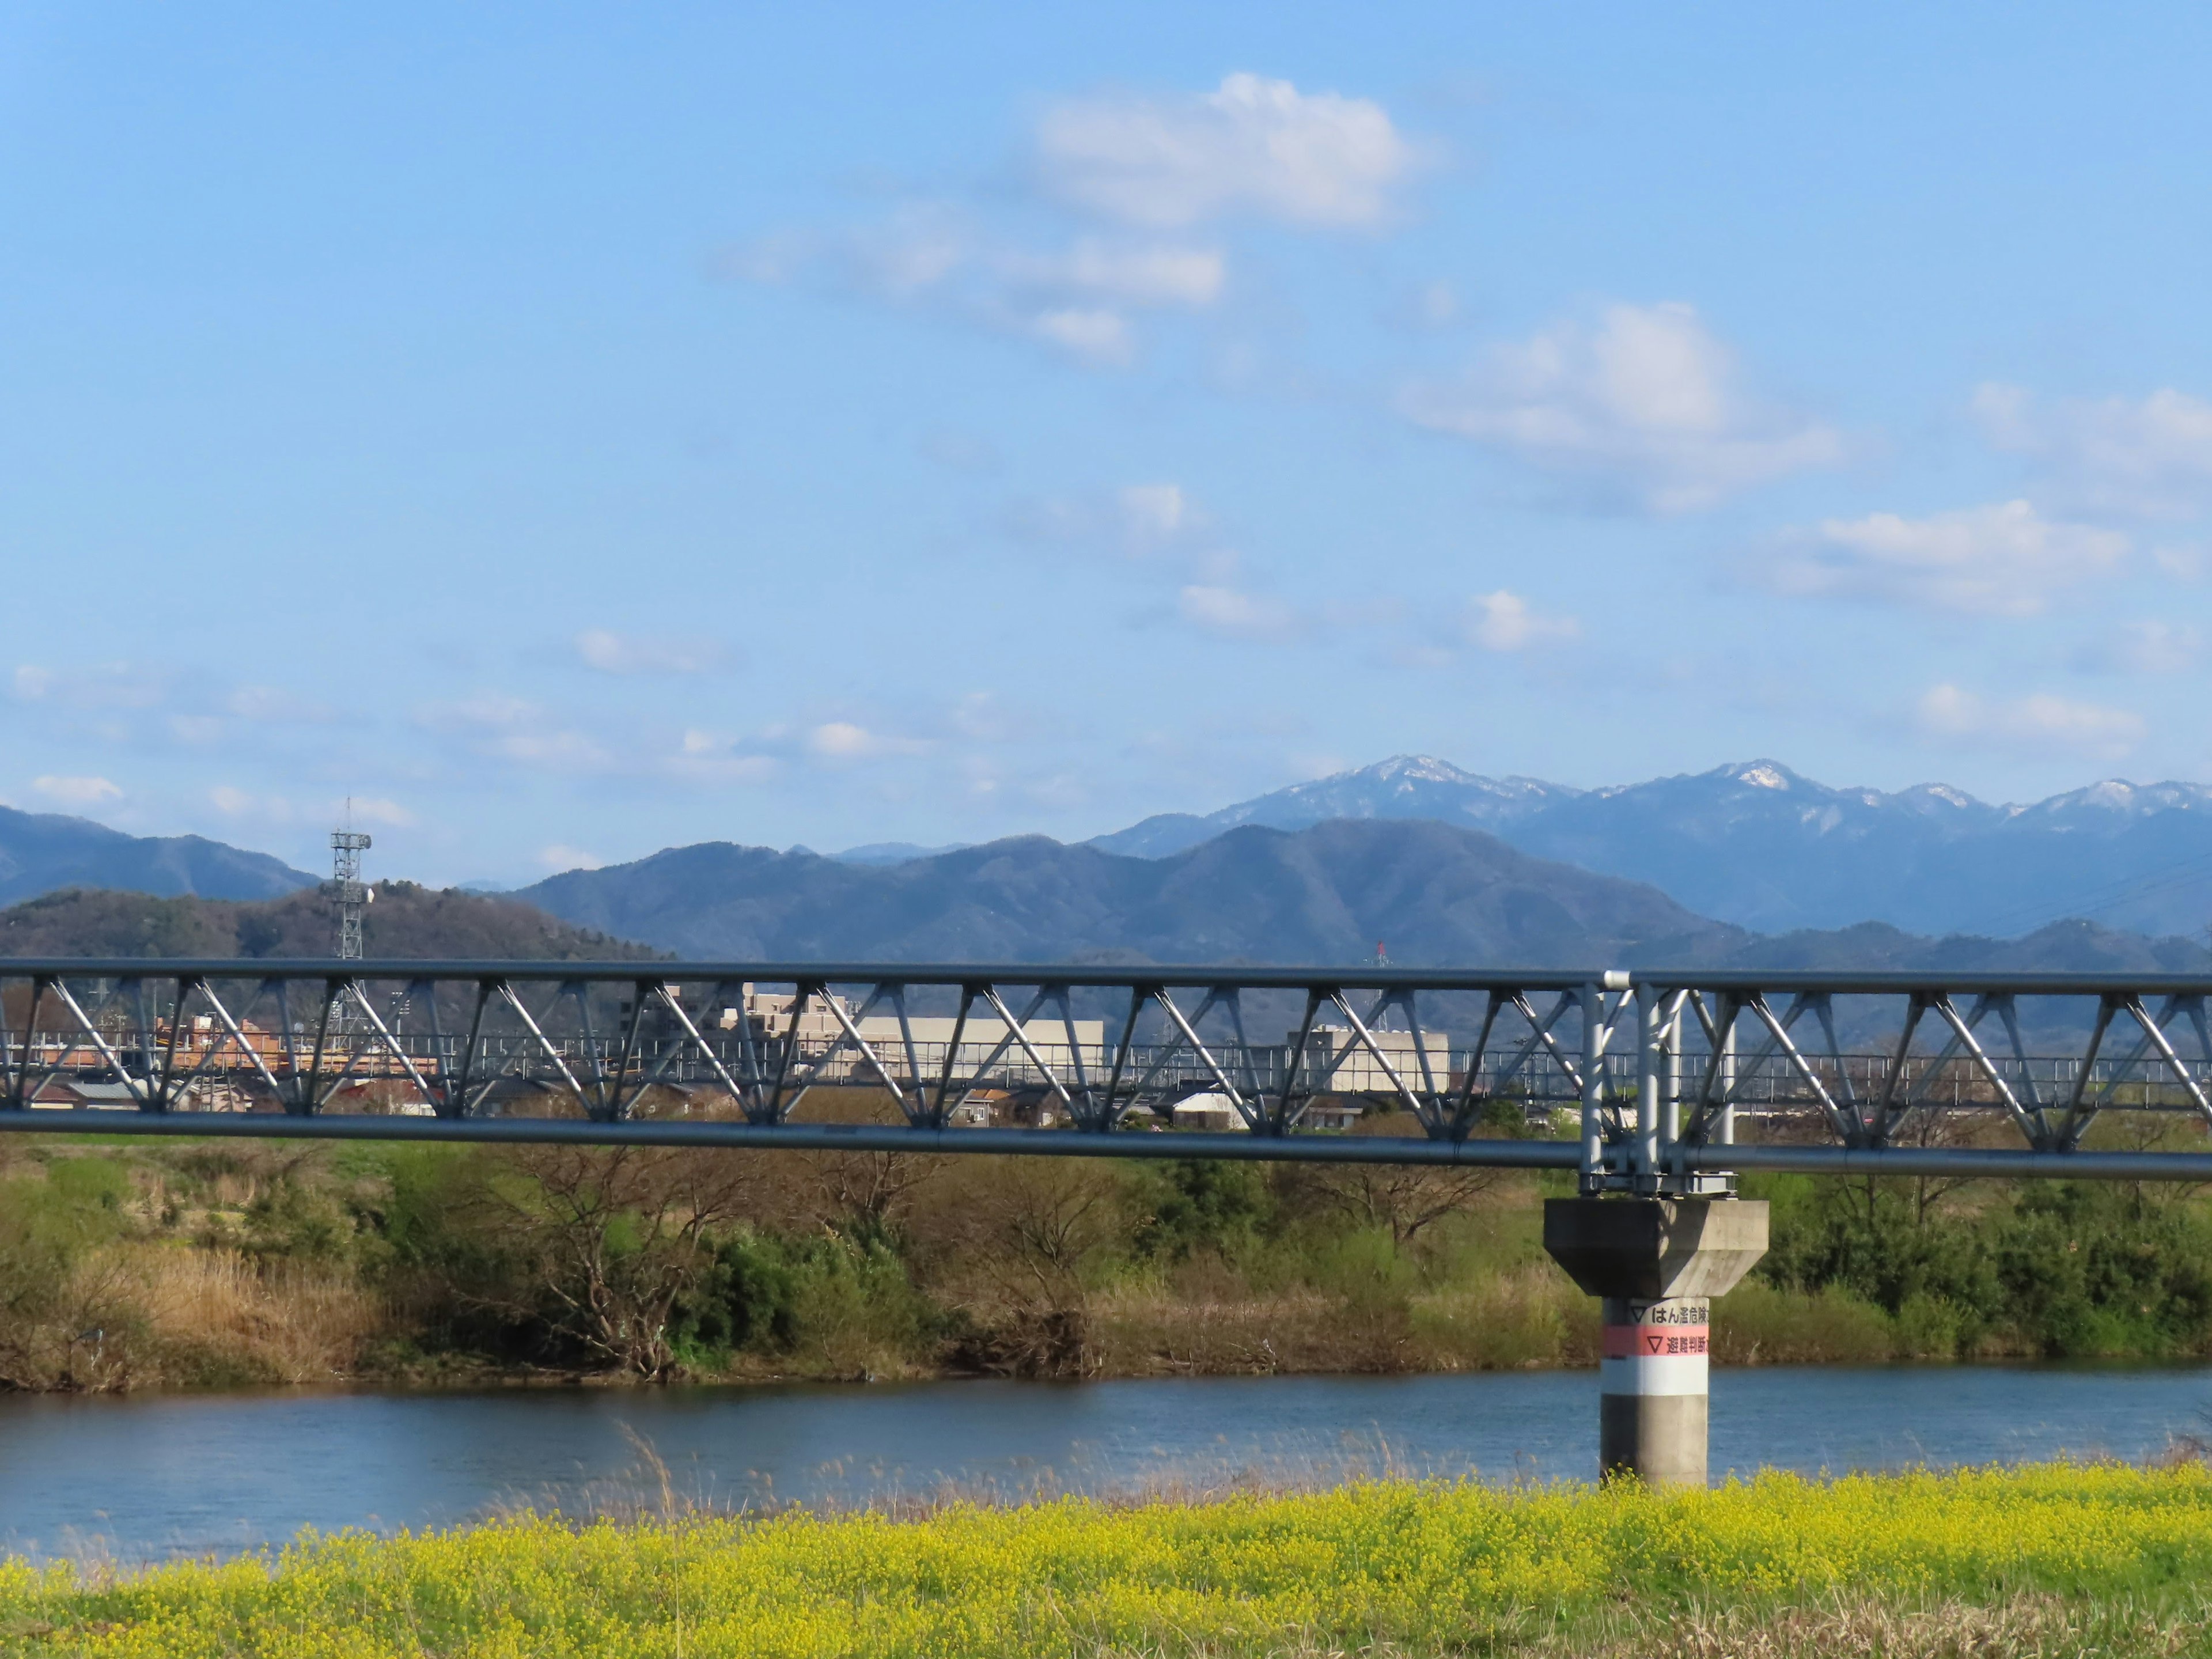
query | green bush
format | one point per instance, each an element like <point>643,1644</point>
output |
<point>2060,1270</point>
<point>2095,1270</point>
<point>1193,1205</point>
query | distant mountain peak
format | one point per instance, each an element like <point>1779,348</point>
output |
<point>1417,769</point>
<point>45,852</point>
<point>1757,844</point>
<point>1407,773</point>
<point>1762,775</point>
<point>1936,792</point>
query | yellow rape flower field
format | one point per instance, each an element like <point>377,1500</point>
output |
<point>2052,1558</point>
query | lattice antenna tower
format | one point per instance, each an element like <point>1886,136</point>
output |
<point>346,845</point>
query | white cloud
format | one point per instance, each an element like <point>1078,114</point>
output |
<point>707,757</point>
<point>722,769</point>
<point>2181,560</point>
<point>1093,334</point>
<point>1252,145</point>
<point>841,739</point>
<point>558,858</point>
<point>94,685</point>
<point>76,792</point>
<point>1155,512</point>
<point>511,728</point>
<point>2151,455</point>
<point>1429,306</point>
<point>1138,274</point>
<point>1645,401</point>
<point>357,810</point>
<point>272,705</point>
<point>986,717</point>
<point>375,809</point>
<point>2142,648</point>
<point>1084,299</point>
<point>1503,622</point>
<point>1139,520</point>
<point>2038,723</point>
<point>631,654</point>
<point>1237,614</point>
<point>845,740</point>
<point>2003,560</point>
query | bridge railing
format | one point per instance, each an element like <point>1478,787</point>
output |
<point>1659,1081</point>
<point>1902,1073</point>
<point>462,1041</point>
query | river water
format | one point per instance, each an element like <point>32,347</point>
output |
<point>137,1478</point>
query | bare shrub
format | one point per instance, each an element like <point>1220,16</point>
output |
<point>1404,1199</point>
<point>614,1239</point>
<point>1022,1238</point>
<point>865,1194</point>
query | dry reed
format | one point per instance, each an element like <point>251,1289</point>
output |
<point>215,1316</point>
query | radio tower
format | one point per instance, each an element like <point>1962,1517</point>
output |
<point>347,846</point>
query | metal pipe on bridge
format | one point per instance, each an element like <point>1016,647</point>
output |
<point>1477,1152</point>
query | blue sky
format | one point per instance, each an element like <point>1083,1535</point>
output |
<point>572,431</point>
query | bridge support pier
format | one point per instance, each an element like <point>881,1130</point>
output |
<point>1654,1263</point>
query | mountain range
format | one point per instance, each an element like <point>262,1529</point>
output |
<point>1432,894</point>
<point>1757,844</point>
<point>1741,862</point>
<point>44,852</point>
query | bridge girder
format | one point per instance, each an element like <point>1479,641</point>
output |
<point>1658,1081</point>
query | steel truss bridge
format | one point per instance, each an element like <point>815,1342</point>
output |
<point>1652,1081</point>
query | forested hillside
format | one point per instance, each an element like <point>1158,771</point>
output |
<point>404,921</point>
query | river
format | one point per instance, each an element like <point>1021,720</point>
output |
<point>138,1478</point>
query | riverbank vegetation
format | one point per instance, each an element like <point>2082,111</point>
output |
<point>132,1265</point>
<point>2051,1559</point>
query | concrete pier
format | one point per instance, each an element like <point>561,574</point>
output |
<point>1655,1263</point>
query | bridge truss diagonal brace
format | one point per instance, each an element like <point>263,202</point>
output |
<point>1540,1035</point>
<point>88,1024</point>
<point>2089,1097</point>
<point>551,1050</point>
<point>2032,1130</point>
<point>234,1028</point>
<point>421,1086</point>
<point>314,1096</point>
<point>1716,1090</point>
<point>1428,1100</point>
<point>914,1109</point>
<point>1017,1032</point>
<point>1779,1038</point>
<point>2153,1032</point>
<point>1245,1099</point>
<point>1012,1035</point>
<point>1365,1039</point>
<point>622,1104</point>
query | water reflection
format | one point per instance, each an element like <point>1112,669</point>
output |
<point>140,1477</point>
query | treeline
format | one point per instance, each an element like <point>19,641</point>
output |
<point>406,920</point>
<point>224,1264</point>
